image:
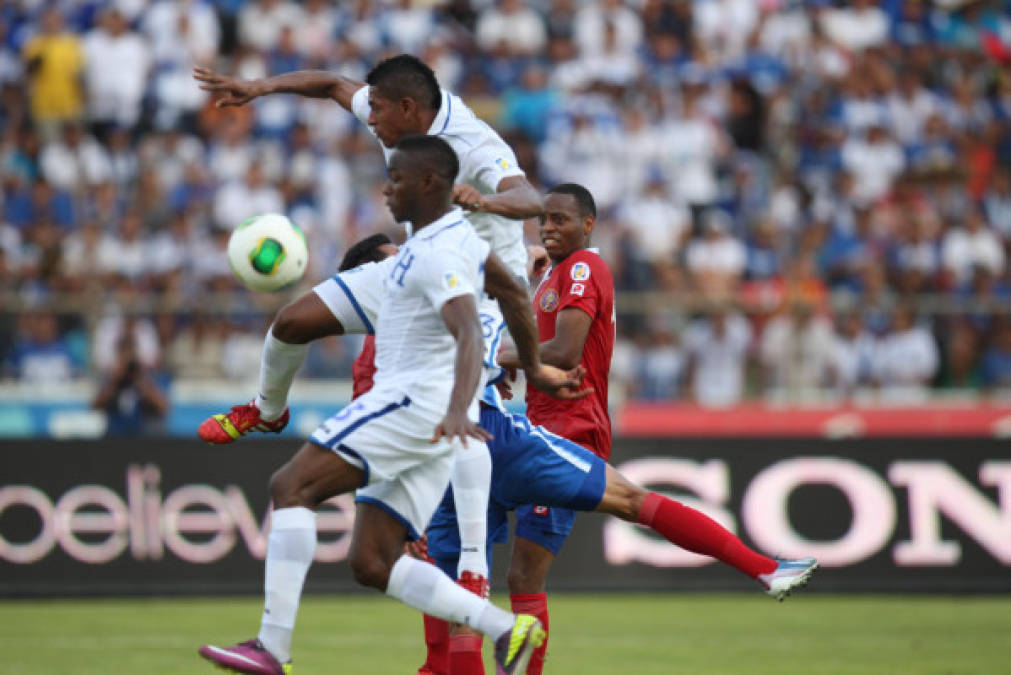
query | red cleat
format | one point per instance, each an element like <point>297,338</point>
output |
<point>241,420</point>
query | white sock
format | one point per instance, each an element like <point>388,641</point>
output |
<point>278,365</point>
<point>290,549</point>
<point>424,587</point>
<point>471,483</point>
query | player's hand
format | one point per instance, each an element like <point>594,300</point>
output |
<point>467,197</point>
<point>558,383</point>
<point>418,548</point>
<point>505,389</point>
<point>458,424</point>
<point>231,91</point>
<point>537,262</point>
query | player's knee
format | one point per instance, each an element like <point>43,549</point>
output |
<point>369,570</point>
<point>283,489</point>
<point>523,581</point>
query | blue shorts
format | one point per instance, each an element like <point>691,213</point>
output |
<point>543,477</point>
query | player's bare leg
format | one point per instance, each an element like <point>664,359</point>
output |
<point>694,531</point>
<point>528,573</point>
<point>284,348</point>
<point>297,489</point>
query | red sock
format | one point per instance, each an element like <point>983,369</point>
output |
<point>465,655</point>
<point>536,604</point>
<point>696,532</point>
<point>437,642</point>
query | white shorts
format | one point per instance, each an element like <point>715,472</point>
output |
<point>389,438</point>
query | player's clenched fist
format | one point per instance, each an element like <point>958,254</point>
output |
<point>563,384</point>
<point>467,197</point>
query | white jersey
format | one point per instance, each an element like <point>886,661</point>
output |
<point>415,352</point>
<point>485,159</point>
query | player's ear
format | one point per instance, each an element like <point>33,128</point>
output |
<point>588,223</point>
<point>408,106</point>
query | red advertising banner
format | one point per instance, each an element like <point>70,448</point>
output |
<point>667,419</point>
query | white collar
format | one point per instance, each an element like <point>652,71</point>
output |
<point>441,120</point>
<point>451,217</point>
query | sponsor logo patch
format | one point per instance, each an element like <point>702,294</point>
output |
<point>580,271</point>
<point>451,280</point>
<point>578,289</point>
<point>502,163</point>
<point>549,301</point>
<point>540,510</point>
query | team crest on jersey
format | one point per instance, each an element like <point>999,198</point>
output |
<point>451,280</point>
<point>502,163</point>
<point>580,271</point>
<point>549,301</point>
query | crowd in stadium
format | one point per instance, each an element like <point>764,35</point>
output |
<point>822,189</point>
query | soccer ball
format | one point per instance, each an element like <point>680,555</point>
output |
<point>267,252</point>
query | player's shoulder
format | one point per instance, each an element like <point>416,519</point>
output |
<point>584,265</point>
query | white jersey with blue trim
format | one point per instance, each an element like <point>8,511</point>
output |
<point>415,352</point>
<point>485,159</point>
<point>356,307</point>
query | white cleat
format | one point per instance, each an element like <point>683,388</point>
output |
<point>788,575</point>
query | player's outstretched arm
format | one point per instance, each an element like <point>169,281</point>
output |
<point>519,317</point>
<point>460,315</point>
<point>232,91</point>
<point>514,198</point>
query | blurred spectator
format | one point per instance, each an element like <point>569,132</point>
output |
<point>243,199</point>
<point>853,352</point>
<point>512,23</point>
<point>906,360</point>
<point>995,369</point>
<point>857,25</point>
<point>593,20</point>
<point>408,24</point>
<point>659,226</point>
<point>874,163</point>
<point>109,333</point>
<point>76,161</point>
<point>42,355</point>
<point>526,107</point>
<point>117,61</point>
<point>661,366</point>
<point>261,22</point>
<point>971,245</point>
<point>796,352</point>
<point>199,348</point>
<point>716,260</point>
<point>53,61</point>
<point>717,347</point>
<point>131,395</point>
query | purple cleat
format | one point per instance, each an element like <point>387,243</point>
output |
<point>246,657</point>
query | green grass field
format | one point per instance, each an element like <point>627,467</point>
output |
<point>633,634</point>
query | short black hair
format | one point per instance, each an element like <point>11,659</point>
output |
<point>406,76</point>
<point>584,200</point>
<point>435,153</point>
<point>366,250</point>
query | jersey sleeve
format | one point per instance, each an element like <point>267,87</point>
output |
<point>360,105</point>
<point>488,164</point>
<point>585,285</point>
<point>354,296</point>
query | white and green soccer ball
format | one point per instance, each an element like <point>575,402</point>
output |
<point>267,252</point>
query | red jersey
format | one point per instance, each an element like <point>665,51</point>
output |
<point>364,367</point>
<point>583,281</point>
